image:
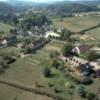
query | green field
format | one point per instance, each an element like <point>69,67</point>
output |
<point>29,70</point>
<point>76,24</point>
<point>10,93</point>
<point>5,28</point>
<point>95,33</point>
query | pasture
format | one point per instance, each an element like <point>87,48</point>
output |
<point>76,24</point>
<point>95,33</point>
<point>10,93</point>
<point>5,28</point>
<point>29,71</point>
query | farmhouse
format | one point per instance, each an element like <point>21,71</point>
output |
<point>9,40</point>
<point>52,34</point>
<point>80,65</point>
<point>37,44</point>
<point>84,69</point>
<point>85,37</point>
<point>81,49</point>
<point>75,61</point>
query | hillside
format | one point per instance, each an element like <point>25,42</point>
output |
<point>5,8</point>
<point>75,7</point>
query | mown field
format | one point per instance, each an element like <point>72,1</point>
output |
<point>76,24</point>
<point>5,28</point>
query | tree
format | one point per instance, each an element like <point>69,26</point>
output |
<point>65,34</point>
<point>54,54</point>
<point>13,31</point>
<point>90,96</point>
<point>47,72</point>
<point>67,50</point>
<point>80,91</point>
<point>91,55</point>
<point>55,64</point>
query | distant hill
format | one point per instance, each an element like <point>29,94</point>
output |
<point>5,8</point>
<point>71,7</point>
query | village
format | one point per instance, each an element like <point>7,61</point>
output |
<point>50,51</point>
<point>82,58</point>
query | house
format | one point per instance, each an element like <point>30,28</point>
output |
<point>81,49</point>
<point>37,44</point>
<point>76,61</point>
<point>4,42</point>
<point>80,65</point>
<point>85,37</point>
<point>52,34</point>
<point>84,69</point>
<point>9,40</point>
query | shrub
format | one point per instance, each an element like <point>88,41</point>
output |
<point>57,89</point>
<point>47,72</point>
<point>54,54</point>
<point>90,96</point>
<point>80,91</point>
<point>51,84</point>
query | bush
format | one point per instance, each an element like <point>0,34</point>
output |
<point>67,50</point>
<point>47,72</point>
<point>51,84</point>
<point>90,96</point>
<point>80,91</point>
<point>54,54</point>
<point>57,89</point>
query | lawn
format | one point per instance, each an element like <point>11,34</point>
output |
<point>5,28</point>
<point>76,24</point>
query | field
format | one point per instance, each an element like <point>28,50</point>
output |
<point>76,24</point>
<point>95,33</point>
<point>29,70</point>
<point>5,28</point>
<point>10,93</point>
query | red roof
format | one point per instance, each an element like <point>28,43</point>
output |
<point>84,48</point>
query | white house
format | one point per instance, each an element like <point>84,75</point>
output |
<point>81,49</point>
<point>4,42</point>
<point>52,34</point>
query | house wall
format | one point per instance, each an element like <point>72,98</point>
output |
<point>75,61</point>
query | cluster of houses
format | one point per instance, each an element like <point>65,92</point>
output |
<point>87,14</point>
<point>36,30</point>
<point>81,66</point>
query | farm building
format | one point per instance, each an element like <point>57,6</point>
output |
<point>9,40</point>
<point>81,49</point>
<point>82,66</point>
<point>52,34</point>
<point>37,44</point>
